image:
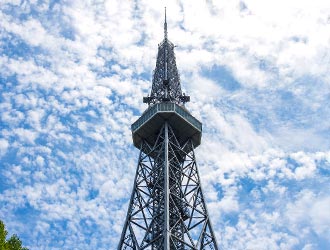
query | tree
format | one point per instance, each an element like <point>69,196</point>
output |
<point>14,243</point>
<point>3,235</point>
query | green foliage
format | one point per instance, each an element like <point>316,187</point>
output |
<point>14,243</point>
<point>3,235</point>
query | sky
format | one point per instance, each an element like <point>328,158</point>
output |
<point>72,78</point>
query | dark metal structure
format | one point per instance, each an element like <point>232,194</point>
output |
<point>167,209</point>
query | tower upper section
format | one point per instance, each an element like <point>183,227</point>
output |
<point>166,80</point>
<point>166,103</point>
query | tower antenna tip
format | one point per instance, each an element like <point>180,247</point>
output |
<point>165,26</point>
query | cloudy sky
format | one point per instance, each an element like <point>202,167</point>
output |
<point>72,78</point>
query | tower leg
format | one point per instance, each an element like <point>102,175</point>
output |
<point>166,192</point>
<point>167,209</point>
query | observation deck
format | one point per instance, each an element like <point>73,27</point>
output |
<point>185,126</point>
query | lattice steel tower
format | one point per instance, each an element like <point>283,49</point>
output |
<point>167,209</point>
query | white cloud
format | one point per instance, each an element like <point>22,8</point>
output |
<point>26,135</point>
<point>3,147</point>
<point>40,161</point>
<point>321,216</point>
<point>310,209</point>
<point>308,165</point>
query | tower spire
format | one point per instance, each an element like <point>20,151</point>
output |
<point>165,27</point>
<point>166,85</point>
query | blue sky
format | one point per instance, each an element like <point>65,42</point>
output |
<point>72,78</point>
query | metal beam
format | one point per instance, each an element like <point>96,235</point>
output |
<point>167,195</point>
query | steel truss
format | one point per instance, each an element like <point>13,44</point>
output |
<point>167,208</point>
<point>166,70</point>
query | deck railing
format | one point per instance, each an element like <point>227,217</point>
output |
<point>166,107</point>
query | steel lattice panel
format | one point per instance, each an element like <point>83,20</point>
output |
<point>189,223</point>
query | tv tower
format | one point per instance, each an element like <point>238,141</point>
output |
<point>167,209</point>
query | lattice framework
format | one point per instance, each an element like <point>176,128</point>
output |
<point>189,224</point>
